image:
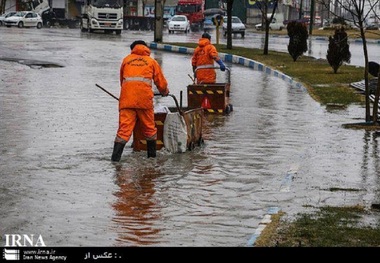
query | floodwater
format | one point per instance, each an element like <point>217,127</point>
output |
<point>277,150</point>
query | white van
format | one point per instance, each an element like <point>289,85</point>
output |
<point>276,24</point>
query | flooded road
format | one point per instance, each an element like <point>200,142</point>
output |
<point>278,150</point>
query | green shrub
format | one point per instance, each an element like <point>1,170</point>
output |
<point>298,36</point>
<point>338,49</point>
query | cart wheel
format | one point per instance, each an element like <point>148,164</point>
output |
<point>228,109</point>
<point>191,146</point>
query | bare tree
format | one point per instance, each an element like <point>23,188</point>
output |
<point>2,6</point>
<point>267,19</point>
<point>356,13</point>
<point>229,25</point>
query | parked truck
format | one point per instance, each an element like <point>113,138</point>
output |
<point>276,24</point>
<point>194,10</point>
<point>38,6</point>
<point>106,15</point>
<point>53,12</point>
<point>145,21</point>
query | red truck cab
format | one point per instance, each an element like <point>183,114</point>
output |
<point>194,10</point>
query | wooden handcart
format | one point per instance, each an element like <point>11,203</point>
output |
<point>212,97</point>
<point>193,118</point>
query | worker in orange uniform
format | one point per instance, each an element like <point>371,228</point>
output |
<point>204,56</point>
<point>137,72</point>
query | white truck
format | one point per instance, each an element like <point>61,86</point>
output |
<point>276,24</point>
<point>106,15</point>
<point>53,12</point>
<point>38,6</point>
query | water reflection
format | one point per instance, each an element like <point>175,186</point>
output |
<point>136,209</point>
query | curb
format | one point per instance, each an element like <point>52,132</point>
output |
<point>255,65</point>
<point>267,219</point>
<point>325,38</point>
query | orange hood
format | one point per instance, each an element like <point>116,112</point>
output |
<point>141,50</point>
<point>204,42</point>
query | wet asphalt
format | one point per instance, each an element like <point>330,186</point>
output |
<point>277,150</point>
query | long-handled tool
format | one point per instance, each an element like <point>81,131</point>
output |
<point>193,79</point>
<point>156,94</point>
<point>175,100</point>
<point>106,91</point>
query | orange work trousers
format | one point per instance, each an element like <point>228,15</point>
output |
<point>127,122</point>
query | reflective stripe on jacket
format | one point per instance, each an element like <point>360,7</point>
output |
<point>146,80</point>
<point>137,72</point>
<point>205,54</point>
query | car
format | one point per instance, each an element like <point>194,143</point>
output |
<point>167,20</point>
<point>372,27</point>
<point>208,24</point>
<point>24,19</point>
<point>5,15</point>
<point>179,23</point>
<point>272,26</point>
<point>277,22</point>
<point>237,26</point>
<point>210,14</point>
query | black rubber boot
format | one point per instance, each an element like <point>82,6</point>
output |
<point>117,151</point>
<point>151,147</point>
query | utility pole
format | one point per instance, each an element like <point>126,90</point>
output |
<point>158,20</point>
<point>300,11</point>
<point>312,4</point>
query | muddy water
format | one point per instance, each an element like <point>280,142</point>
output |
<point>278,149</point>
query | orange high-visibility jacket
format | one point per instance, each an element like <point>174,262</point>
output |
<point>137,72</point>
<point>204,55</point>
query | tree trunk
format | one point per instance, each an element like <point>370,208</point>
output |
<point>2,6</point>
<point>376,101</point>
<point>266,24</point>
<point>367,101</point>
<point>266,41</point>
<point>229,15</point>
